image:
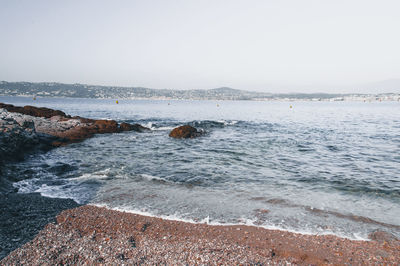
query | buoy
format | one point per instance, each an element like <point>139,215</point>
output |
<point>116,101</point>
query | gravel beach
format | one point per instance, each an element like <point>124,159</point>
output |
<point>24,215</point>
<point>96,235</point>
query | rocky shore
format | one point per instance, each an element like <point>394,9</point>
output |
<point>28,129</point>
<point>58,231</point>
<point>54,128</point>
<point>23,129</point>
<point>93,235</point>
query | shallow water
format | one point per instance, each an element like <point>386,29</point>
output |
<point>319,167</point>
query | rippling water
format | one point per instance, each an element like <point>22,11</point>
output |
<point>319,167</point>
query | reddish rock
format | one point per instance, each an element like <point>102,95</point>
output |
<point>83,119</point>
<point>78,130</point>
<point>184,132</point>
<point>105,126</point>
<point>134,127</point>
<point>33,111</point>
<point>86,131</point>
<point>76,134</point>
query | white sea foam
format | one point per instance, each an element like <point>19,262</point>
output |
<point>26,185</point>
<point>152,177</point>
<point>148,125</point>
<point>49,191</point>
<point>102,174</point>
<point>228,123</point>
<point>53,192</point>
<point>245,221</point>
<point>161,128</point>
<point>154,128</point>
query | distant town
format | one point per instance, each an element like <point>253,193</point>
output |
<point>51,89</point>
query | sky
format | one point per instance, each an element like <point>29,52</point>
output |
<point>272,46</point>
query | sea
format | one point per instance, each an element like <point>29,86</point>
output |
<point>307,167</point>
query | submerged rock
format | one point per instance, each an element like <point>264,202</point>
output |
<point>185,132</point>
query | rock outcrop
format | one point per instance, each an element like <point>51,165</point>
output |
<point>185,132</point>
<point>33,111</point>
<point>15,137</point>
<point>22,128</point>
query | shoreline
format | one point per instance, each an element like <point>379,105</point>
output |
<point>95,234</point>
<point>248,223</point>
<point>31,130</point>
<point>90,234</point>
<point>23,216</point>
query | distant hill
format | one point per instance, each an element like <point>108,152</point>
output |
<point>93,91</point>
<point>52,89</point>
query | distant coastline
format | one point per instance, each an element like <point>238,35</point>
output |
<point>61,90</point>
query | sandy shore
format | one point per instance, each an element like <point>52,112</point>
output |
<point>94,235</point>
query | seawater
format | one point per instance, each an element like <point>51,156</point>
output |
<point>318,167</point>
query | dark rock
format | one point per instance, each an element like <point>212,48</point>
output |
<point>132,241</point>
<point>16,140</point>
<point>144,227</point>
<point>185,132</point>
<point>104,126</point>
<point>125,127</point>
<point>134,127</point>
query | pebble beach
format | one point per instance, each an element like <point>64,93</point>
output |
<point>91,235</point>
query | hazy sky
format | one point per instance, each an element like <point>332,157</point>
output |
<point>281,45</point>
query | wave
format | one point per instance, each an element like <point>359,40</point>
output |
<point>156,125</point>
<point>354,186</point>
<point>153,178</point>
<point>60,191</point>
<point>316,211</point>
<point>243,221</point>
<point>99,175</point>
